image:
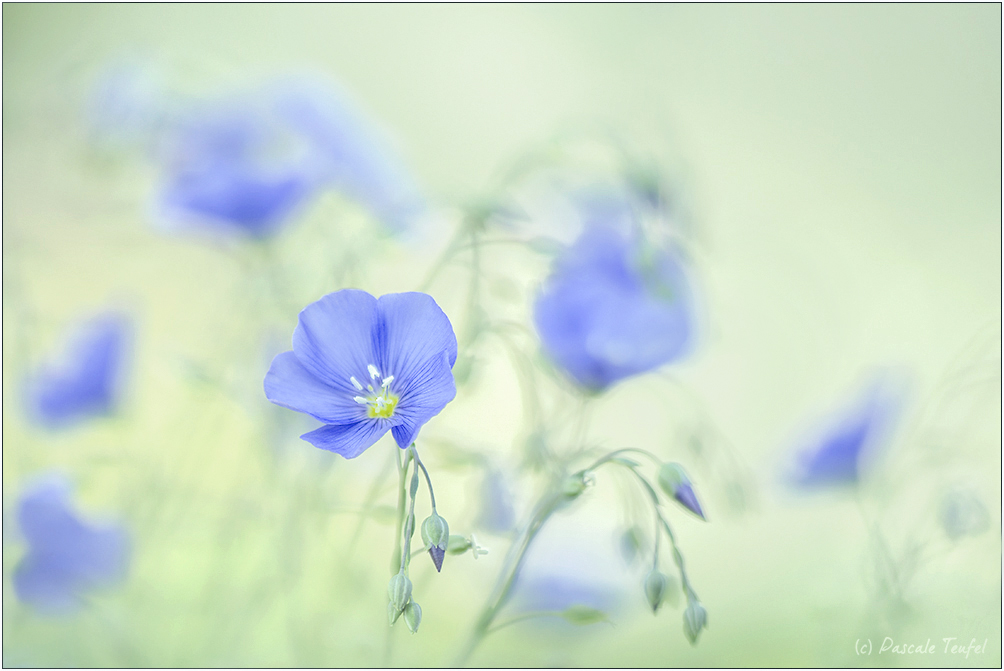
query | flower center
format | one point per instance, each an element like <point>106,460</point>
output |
<point>379,402</point>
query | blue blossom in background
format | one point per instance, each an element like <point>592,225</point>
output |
<point>364,365</point>
<point>842,450</point>
<point>613,307</point>
<point>250,163</point>
<point>86,379</point>
<point>66,556</point>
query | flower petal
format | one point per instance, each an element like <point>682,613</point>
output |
<point>413,330</point>
<point>428,391</point>
<point>292,386</point>
<point>348,440</point>
<point>334,339</point>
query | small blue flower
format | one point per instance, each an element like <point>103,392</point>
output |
<point>614,307</point>
<point>364,365</point>
<point>86,380</point>
<point>251,163</point>
<point>844,448</point>
<point>66,556</point>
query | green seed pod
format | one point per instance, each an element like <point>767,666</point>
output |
<point>413,616</point>
<point>695,619</point>
<point>655,589</point>
<point>399,592</point>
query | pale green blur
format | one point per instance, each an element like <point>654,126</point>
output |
<point>841,168</point>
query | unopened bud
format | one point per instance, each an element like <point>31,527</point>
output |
<point>436,535</point>
<point>674,481</point>
<point>695,619</point>
<point>413,616</point>
<point>458,545</point>
<point>655,589</point>
<point>574,485</point>
<point>399,593</point>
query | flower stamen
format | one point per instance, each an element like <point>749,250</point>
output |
<point>380,403</point>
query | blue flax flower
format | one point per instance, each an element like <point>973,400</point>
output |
<point>85,381</point>
<point>250,163</point>
<point>66,556</point>
<point>844,448</point>
<point>613,307</point>
<point>364,365</point>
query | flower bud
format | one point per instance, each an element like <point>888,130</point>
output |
<point>436,535</point>
<point>695,618</point>
<point>399,593</point>
<point>413,616</point>
<point>655,589</point>
<point>574,485</point>
<point>458,545</point>
<point>674,481</point>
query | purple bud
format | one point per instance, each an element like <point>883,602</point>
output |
<point>685,495</point>
<point>437,553</point>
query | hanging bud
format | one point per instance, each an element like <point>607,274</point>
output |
<point>655,589</point>
<point>458,545</point>
<point>413,616</point>
<point>695,618</point>
<point>399,593</point>
<point>574,485</point>
<point>674,481</point>
<point>436,535</point>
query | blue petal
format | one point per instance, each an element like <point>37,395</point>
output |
<point>351,152</point>
<point>413,330</point>
<point>334,339</point>
<point>86,382</point>
<point>292,386</point>
<point>65,555</point>
<point>603,316</point>
<point>348,440</point>
<point>424,394</point>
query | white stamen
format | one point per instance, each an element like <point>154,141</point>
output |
<point>386,381</point>
<point>374,373</point>
<point>355,383</point>
<point>360,400</point>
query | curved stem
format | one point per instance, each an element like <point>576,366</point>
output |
<point>428,480</point>
<point>514,561</point>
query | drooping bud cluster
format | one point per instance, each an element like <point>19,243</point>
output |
<point>436,536</point>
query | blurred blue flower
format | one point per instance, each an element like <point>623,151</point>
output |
<point>249,163</point>
<point>614,306</point>
<point>839,455</point>
<point>86,379</point>
<point>66,556</point>
<point>364,365</point>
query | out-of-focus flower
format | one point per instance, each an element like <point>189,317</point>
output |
<point>839,455</point>
<point>963,514</point>
<point>66,556</point>
<point>86,379</point>
<point>497,513</point>
<point>364,365</point>
<point>250,163</point>
<point>615,306</point>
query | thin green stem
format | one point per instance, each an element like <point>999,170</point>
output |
<point>514,561</point>
<point>402,470</point>
<point>428,480</point>
<point>409,525</point>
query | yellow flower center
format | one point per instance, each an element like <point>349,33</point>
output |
<point>379,402</point>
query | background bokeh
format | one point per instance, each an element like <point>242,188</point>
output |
<point>840,167</point>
